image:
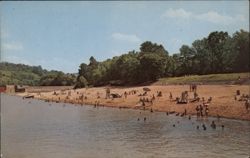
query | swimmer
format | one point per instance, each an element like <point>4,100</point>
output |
<point>213,125</point>
<point>204,127</point>
<point>222,126</point>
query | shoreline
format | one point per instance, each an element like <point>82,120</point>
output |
<point>124,107</point>
<point>222,104</point>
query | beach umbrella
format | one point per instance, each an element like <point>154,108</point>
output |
<point>146,89</point>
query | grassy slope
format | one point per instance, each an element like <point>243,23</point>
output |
<point>18,77</point>
<point>231,78</point>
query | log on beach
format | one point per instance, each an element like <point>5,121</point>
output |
<point>28,96</point>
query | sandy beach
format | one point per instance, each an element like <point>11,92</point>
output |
<point>223,99</point>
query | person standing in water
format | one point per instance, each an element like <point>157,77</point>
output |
<point>213,125</point>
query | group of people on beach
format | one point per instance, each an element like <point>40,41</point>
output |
<point>146,99</point>
<point>150,100</point>
<point>202,110</point>
<point>243,97</point>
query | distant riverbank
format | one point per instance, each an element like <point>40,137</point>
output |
<point>224,103</point>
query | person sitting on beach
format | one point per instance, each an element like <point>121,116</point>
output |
<point>170,96</point>
<point>81,97</point>
<point>195,95</point>
<point>209,99</point>
<point>247,103</point>
<point>203,99</point>
<point>125,94</point>
<point>153,97</point>
<point>159,94</point>
<point>194,88</point>
<point>140,100</point>
<point>98,95</point>
<point>235,97</point>
<point>107,93</point>
<point>143,103</point>
<point>206,110</point>
<point>177,99</point>
<point>151,101</point>
<point>144,94</point>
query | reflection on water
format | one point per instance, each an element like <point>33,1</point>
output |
<point>40,130</point>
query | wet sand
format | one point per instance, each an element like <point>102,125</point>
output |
<point>223,99</point>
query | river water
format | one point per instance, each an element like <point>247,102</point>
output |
<point>36,129</point>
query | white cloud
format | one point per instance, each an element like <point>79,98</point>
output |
<point>178,13</point>
<point>12,47</point>
<point>211,16</point>
<point>215,17</point>
<point>126,37</point>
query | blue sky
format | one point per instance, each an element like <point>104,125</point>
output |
<point>62,35</point>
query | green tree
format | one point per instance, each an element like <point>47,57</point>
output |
<point>149,47</point>
<point>216,41</point>
<point>152,67</point>
<point>201,56</point>
<point>186,57</point>
<point>81,82</point>
<point>241,48</point>
<point>127,67</point>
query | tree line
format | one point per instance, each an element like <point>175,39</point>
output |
<point>20,74</point>
<point>217,53</point>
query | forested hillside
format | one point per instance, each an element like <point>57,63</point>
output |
<point>21,74</point>
<point>217,53</point>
